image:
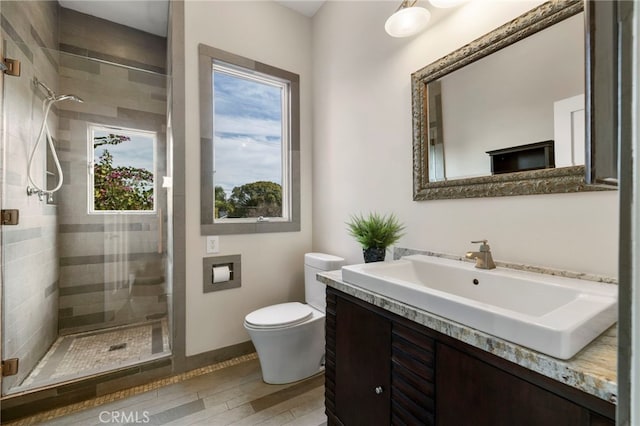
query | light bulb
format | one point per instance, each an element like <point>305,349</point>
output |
<point>407,21</point>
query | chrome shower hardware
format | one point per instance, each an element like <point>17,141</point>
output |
<point>33,188</point>
<point>34,191</point>
<point>37,83</point>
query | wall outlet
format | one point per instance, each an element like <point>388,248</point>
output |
<point>213,244</point>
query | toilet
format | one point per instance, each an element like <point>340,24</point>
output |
<point>289,337</point>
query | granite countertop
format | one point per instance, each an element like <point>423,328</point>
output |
<point>592,370</point>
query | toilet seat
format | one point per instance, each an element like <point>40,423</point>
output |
<point>279,316</point>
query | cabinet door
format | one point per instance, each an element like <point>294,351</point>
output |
<point>362,371</point>
<point>471,392</point>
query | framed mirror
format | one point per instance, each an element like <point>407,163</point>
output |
<point>504,115</point>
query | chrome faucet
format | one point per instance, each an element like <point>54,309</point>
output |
<point>483,258</point>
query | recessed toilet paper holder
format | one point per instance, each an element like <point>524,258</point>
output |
<point>221,273</point>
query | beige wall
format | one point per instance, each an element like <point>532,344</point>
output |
<point>362,152</point>
<point>272,264</point>
<point>361,156</point>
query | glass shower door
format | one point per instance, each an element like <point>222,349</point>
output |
<point>30,248</point>
<point>83,274</point>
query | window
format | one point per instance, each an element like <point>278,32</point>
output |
<point>250,137</point>
<point>250,147</point>
<point>122,170</point>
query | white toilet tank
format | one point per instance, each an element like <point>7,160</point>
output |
<point>314,290</point>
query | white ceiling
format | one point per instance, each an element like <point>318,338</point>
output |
<point>306,7</point>
<point>152,15</point>
<point>146,15</point>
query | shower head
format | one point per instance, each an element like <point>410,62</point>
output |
<point>51,95</point>
<point>67,98</point>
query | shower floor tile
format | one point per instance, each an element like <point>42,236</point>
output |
<point>83,354</point>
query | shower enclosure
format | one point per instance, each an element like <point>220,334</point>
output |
<point>85,287</point>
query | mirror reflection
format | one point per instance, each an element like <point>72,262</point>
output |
<point>520,108</point>
<point>504,114</point>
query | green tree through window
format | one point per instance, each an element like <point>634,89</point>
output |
<point>250,200</point>
<point>120,187</point>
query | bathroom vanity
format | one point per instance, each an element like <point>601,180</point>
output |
<point>390,363</point>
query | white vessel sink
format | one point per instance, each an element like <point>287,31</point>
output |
<point>554,315</point>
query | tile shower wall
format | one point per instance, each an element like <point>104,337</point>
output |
<point>29,31</point>
<point>111,265</point>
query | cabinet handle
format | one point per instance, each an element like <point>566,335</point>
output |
<point>378,390</point>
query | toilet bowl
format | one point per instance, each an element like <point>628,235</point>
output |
<point>289,337</point>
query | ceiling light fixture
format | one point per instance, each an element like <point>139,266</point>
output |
<point>407,20</point>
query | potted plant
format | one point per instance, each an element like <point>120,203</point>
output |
<point>375,233</point>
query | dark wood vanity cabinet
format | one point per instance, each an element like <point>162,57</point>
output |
<point>382,369</point>
<point>379,373</point>
<point>495,397</point>
<point>362,348</point>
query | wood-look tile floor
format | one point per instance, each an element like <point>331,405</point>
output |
<point>234,395</point>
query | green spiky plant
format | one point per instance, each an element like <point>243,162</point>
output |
<point>375,230</point>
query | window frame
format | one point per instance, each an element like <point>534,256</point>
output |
<point>290,221</point>
<point>91,127</point>
<point>284,86</point>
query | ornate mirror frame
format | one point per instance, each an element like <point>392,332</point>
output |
<point>543,181</point>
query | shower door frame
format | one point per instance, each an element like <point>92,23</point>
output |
<point>2,191</point>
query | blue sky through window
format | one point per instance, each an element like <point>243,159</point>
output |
<point>137,152</point>
<point>247,131</point>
